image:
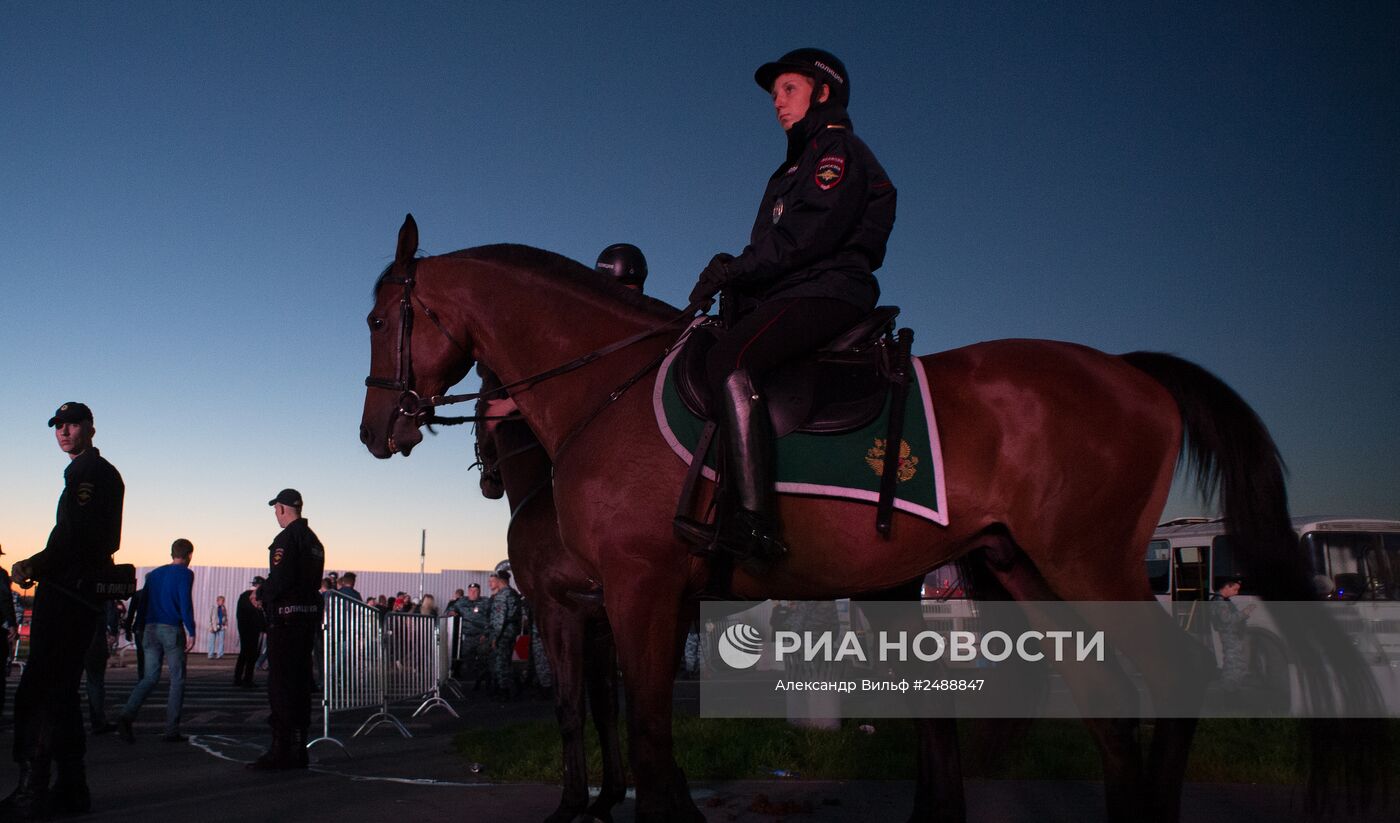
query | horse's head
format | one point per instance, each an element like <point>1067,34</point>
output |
<point>488,450</point>
<point>410,360</point>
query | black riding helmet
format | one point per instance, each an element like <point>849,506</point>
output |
<point>821,66</point>
<point>625,262</point>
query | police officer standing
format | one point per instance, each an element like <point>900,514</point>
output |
<point>292,601</point>
<point>475,622</point>
<point>9,630</point>
<point>48,717</point>
<point>505,626</point>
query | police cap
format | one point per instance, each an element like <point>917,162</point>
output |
<point>821,66</point>
<point>287,497</point>
<point>71,413</point>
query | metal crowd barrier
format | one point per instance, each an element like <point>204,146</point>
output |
<point>372,659</point>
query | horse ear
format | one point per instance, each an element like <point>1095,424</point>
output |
<point>408,240</point>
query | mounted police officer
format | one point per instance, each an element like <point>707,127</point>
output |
<point>292,600</point>
<point>48,718</point>
<point>805,277</point>
<point>625,263</point>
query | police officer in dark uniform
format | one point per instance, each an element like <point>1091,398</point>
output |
<point>48,716</point>
<point>252,623</point>
<point>625,263</point>
<point>292,600</point>
<point>805,277</point>
<point>9,630</point>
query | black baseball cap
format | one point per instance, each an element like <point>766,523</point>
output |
<point>71,413</point>
<point>287,497</point>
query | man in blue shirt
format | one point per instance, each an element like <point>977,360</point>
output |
<point>169,635</point>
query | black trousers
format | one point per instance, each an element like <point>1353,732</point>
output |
<point>289,651</point>
<point>48,713</point>
<point>249,636</point>
<point>776,332</point>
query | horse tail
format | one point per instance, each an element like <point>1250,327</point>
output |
<point>1228,449</point>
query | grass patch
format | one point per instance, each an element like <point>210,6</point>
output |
<point>1225,751</point>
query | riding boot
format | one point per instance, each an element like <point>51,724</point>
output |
<point>70,790</point>
<point>30,799</point>
<point>750,533</point>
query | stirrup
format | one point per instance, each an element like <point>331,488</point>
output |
<point>751,539</point>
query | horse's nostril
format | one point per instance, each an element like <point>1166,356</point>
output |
<point>364,434</point>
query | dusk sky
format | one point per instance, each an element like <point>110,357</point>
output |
<point>196,198</point>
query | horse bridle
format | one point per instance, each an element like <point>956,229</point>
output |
<point>411,404</point>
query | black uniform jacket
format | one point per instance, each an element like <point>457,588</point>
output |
<point>824,220</point>
<point>250,618</point>
<point>296,560</point>
<point>88,530</point>
<point>8,618</point>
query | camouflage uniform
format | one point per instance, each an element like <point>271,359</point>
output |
<point>476,622</point>
<point>504,626</point>
<point>1229,623</point>
<point>539,661</point>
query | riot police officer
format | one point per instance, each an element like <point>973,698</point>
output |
<point>48,717</point>
<point>625,263</point>
<point>504,628</point>
<point>476,620</point>
<point>292,601</point>
<point>805,276</point>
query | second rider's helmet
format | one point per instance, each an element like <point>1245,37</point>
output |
<point>624,262</point>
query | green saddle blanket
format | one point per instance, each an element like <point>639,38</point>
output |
<point>845,465</point>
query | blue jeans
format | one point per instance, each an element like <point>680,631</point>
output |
<point>168,642</point>
<point>216,643</point>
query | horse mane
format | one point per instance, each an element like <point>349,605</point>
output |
<point>557,267</point>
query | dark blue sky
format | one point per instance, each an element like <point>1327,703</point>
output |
<point>197,197</point>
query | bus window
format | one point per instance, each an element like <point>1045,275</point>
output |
<point>1384,565</point>
<point>1159,558</point>
<point>1359,565</point>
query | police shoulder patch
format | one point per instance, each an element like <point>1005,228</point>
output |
<point>277,556</point>
<point>830,170</point>
<point>85,492</point>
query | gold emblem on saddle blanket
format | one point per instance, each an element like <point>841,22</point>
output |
<point>875,458</point>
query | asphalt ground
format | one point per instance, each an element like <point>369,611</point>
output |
<point>382,775</point>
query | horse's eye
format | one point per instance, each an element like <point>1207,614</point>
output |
<point>375,323</point>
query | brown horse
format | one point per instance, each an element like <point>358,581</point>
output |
<point>577,638</point>
<point>1058,459</point>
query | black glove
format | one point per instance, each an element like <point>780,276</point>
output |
<point>712,279</point>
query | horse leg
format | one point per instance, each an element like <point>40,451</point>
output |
<point>938,789</point>
<point>566,641</point>
<point>1166,765</point>
<point>1117,738</point>
<point>938,792</point>
<point>601,675</point>
<point>645,618</point>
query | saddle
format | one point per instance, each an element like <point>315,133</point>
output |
<point>839,388</point>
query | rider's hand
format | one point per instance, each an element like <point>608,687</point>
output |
<point>20,573</point>
<point>712,279</point>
